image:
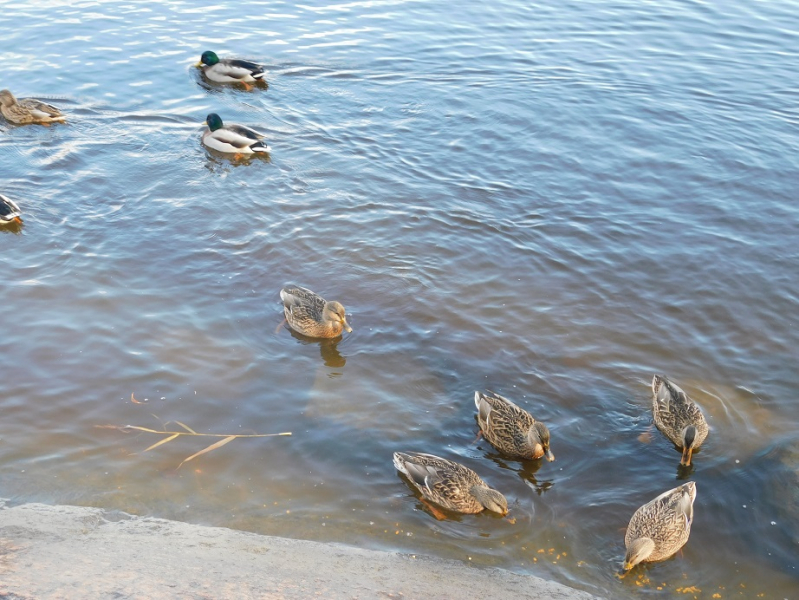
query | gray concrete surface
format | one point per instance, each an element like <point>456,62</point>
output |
<point>74,552</point>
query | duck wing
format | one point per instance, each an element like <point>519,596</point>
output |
<point>302,303</point>
<point>241,68</point>
<point>41,110</point>
<point>243,131</point>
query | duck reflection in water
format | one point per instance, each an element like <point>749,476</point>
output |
<point>328,348</point>
<point>526,470</point>
<point>13,227</point>
<point>685,472</point>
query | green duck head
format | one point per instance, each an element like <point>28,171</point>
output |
<point>209,58</point>
<point>214,121</point>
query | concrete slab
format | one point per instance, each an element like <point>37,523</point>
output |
<point>77,552</point>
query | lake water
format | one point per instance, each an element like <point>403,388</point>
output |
<point>553,200</point>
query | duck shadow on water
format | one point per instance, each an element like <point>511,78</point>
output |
<point>525,469</point>
<point>328,348</point>
<point>14,227</point>
<point>685,472</point>
<point>218,159</point>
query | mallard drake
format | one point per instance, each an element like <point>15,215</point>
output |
<point>449,484</point>
<point>28,110</point>
<point>660,527</point>
<point>230,70</point>
<point>232,139</point>
<point>510,429</point>
<point>678,417</point>
<point>9,211</point>
<point>310,314</point>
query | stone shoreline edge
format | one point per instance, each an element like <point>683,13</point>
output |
<point>87,553</point>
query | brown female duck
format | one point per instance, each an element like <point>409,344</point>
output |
<point>310,314</point>
<point>678,417</point>
<point>660,527</point>
<point>510,429</point>
<point>449,484</point>
<point>27,110</point>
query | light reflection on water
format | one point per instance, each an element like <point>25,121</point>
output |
<point>553,201</point>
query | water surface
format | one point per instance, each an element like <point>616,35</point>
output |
<point>553,200</point>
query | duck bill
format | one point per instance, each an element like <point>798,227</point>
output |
<point>347,327</point>
<point>199,64</point>
<point>549,456</point>
<point>686,457</point>
<point>17,220</point>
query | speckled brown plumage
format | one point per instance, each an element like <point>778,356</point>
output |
<point>310,314</point>
<point>449,484</point>
<point>511,429</point>
<point>28,111</point>
<point>673,411</point>
<point>666,521</point>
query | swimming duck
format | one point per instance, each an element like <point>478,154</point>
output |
<point>449,484</point>
<point>510,429</point>
<point>9,211</point>
<point>660,527</point>
<point>678,417</point>
<point>310,314</point>
<point>230,70</point>
<point>28,110</point>
<point>232,139</point>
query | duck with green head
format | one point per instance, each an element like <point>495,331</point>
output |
<point>232,138</point>
<point>230,70</point>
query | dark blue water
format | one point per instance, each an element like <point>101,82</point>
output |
<point>552,200</point>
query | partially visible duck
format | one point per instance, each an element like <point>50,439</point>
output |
<point>9,211</point>
<point>28,111</point>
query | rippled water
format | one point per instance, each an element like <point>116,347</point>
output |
<point>553,200</point>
